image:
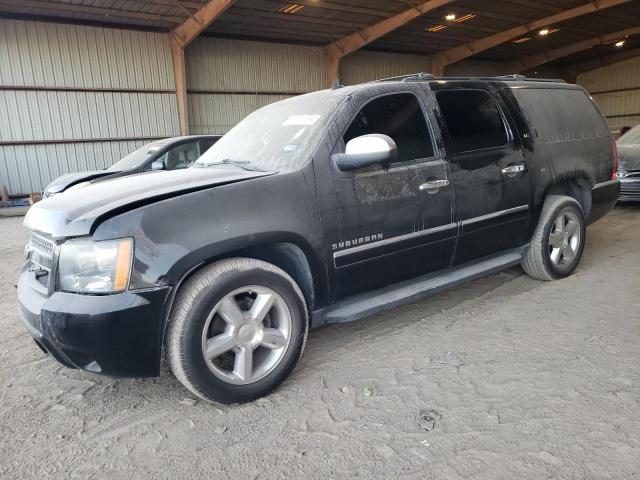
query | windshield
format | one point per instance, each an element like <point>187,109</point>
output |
<point>136,158</point>
<point>632,137</point>
<point>276,137</point>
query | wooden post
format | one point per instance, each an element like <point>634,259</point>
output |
<point>181,37</point>
<point>332,63</point>
<point>180,73</point>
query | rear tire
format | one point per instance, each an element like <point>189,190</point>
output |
<point>237,329</point>
<point>558,241</point>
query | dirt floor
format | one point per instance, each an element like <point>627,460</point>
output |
<point>504,378</point>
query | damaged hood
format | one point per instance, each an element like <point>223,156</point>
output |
<point>73,213</point>
<point>629,157</point>
<point>60,184</point>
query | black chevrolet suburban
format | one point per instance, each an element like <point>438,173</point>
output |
<point>318,209</point>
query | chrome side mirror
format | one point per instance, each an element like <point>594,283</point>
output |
<point>367,150</point>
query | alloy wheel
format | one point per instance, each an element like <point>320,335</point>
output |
<point>564,239</point>
<point>246,335</point>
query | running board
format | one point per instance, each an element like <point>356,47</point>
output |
<point>386,298</point>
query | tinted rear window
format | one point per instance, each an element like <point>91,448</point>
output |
<point>560,115</point>
<point>473,120</point>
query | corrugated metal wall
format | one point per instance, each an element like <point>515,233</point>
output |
<point>616,89</point>
<point>76,98</point>
<point>228,79</point>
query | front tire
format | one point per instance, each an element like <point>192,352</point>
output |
<point>237,330</point>
<point>558,241</point>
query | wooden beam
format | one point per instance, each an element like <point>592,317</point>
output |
<point>182,36</point>
<point>589,65</point>
<point>464,51</point>
<point>108,13</point>
<point>338,49</point>
<point>198,22</point>
<point>356,41</point>
<point>536,59</point>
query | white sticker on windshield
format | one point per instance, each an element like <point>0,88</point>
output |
<point>301,120</point>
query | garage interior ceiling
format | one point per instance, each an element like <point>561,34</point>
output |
<point>323,22</point>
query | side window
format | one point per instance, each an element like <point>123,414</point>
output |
<point>400,117</point>
<point>473,120</point>
<point>182,156</point>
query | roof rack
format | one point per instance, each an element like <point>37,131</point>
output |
<point>412,77</point>
<point>417,77</point>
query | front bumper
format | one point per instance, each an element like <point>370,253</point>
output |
<point>629,189</point>
<point>116,335</point>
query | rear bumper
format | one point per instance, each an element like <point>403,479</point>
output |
<point>603,198</point>
<point>115,335</point>
<point>629,190</point>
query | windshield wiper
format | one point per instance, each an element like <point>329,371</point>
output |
<point>236,163</point>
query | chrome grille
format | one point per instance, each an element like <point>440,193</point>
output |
<point>41,245</point>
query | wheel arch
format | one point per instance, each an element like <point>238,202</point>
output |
<point>576,185</point>
<point>294,257</point>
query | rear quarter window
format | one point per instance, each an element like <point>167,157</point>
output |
<point>559,114</point>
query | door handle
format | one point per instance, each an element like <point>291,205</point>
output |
<point>434,186</point>
<point>513,170</point>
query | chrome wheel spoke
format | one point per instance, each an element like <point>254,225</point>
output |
<point>273,338</point>
<point>559,223</point>
<point>243,366</point>
<point>572,227</point>
<point>261,306</point>
<point>568,253</point>
<point>230,311</point>
<point>555,255</point>
<point>556,239</point>
<point>218,345</point>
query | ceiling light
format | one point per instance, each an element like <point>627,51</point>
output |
<point>436,28</point>
<point>548,31</point>
<point>451,17</point>
<point>620,43</point>
<point>464,18</point>
<point>291,8</point>
<point>522,40</point>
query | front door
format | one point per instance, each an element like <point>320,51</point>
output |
<point>489,172</point>
<point>391,223</point>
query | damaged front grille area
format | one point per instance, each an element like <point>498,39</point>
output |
<point>41,255</point>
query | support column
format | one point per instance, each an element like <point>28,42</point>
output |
<point>332,63</point>
<point>180,74</point>
<point>437,69</point>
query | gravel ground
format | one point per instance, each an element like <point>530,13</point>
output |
<point>504,378</point>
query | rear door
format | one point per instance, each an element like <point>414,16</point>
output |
<point>490,175</point>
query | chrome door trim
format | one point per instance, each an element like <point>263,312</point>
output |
<point>490,216</point>
<point>387,241</point>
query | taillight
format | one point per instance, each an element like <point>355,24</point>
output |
<point>614,148</point>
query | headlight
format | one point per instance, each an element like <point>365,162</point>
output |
<point>95,267</point>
